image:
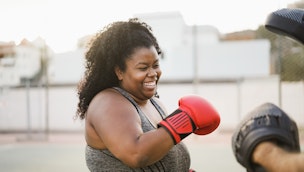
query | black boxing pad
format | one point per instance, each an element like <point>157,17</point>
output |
<point>265,122</point>
<point>287,22</point>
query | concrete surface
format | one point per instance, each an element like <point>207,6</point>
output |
<point>65,152</point>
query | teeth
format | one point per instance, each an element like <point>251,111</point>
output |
<point>150,83</point>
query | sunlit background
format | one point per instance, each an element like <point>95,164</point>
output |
<point>61,23</point>
<point>218,49</point>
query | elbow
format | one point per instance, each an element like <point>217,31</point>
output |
<point>137,161</point>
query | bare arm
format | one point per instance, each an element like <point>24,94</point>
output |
<point>117,123</point>
<point>275,159</point>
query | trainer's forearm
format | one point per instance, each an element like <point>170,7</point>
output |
<point>275,159</point>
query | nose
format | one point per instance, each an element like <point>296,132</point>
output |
<point>152,72</point>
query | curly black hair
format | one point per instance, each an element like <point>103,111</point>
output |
<point>110,48</point>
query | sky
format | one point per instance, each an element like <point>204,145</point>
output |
<point>62,22</point>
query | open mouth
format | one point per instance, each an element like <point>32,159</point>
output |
<point>150,84</point>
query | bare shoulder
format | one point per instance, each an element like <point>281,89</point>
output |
<point>109,104</point>
<point>107,96</point>
<point>110,114</point>
<point>106,101</point>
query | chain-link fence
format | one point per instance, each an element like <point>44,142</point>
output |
<point>287,61</point>
<point>287,56</point>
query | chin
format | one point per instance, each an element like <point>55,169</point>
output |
<point>150,94</point>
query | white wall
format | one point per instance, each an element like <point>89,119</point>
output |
<point>234,59</point>
<point>233,101</point>
<point>66,68</point>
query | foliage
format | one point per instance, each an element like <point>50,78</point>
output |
<point>287,55</point>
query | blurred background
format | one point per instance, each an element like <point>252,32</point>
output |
<point>217,49</point>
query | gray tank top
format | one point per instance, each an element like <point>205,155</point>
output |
<point>177,159</point>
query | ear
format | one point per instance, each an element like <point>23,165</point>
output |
<point>118,73</point>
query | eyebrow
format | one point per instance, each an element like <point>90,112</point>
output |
<point>144,63</point>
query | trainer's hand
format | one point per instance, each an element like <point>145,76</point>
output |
<point>195,114</point>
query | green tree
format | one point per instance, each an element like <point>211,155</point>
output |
<point>287,55</point>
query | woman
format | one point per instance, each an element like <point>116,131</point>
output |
<point>119,104</point>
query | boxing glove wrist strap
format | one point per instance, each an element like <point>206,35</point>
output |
<point>178,124</point>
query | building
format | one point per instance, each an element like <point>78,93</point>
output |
<point>189,53</point>
<point>197,52</point>
<point>21,63</point>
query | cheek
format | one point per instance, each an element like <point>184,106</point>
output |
<point>139,76</point>
<point>159,72</point>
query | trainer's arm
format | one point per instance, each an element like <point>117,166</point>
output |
<point>275,159</point>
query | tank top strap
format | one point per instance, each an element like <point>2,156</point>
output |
<point>155,104</point>
<point>158,108</point>
<point>127,96</point>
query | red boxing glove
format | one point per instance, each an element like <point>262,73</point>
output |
<point>194,114</point>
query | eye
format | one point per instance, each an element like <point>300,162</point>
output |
<point>143,68</point>
<point>156,66</point>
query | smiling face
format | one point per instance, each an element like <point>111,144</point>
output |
<point>142,73</point>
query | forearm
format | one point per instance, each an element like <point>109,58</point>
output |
<point>275,159</point>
